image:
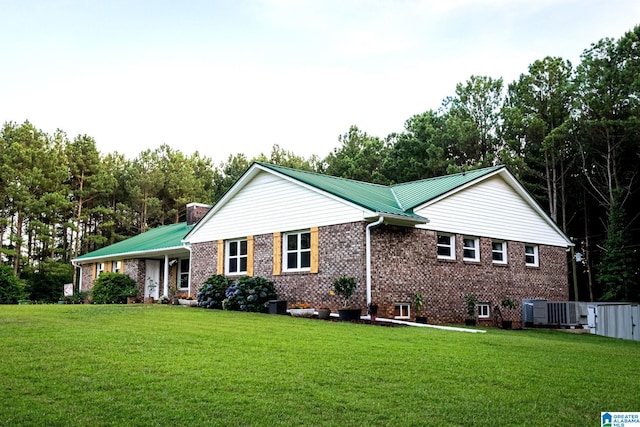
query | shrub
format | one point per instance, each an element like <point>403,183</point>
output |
<point>212,292</point>
<point>47,283</point>
<point>78,297</point>
<point>11,289</point>
<point>250,294</point>
<point>114,288</point>
<point>345,287</point>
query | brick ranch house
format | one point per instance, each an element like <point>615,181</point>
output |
<point>478,233</point>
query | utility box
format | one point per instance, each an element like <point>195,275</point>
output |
<point>277,306</point>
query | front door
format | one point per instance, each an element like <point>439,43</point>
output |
<point>152,281</point>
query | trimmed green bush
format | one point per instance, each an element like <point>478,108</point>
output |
<point>46,284</point>
<point>114,288</point>
<point>213,291</point>
<point>250,294</point>
<point>11,289</point>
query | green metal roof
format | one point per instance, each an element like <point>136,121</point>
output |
<point>159,238</point>
<point>399,199</point>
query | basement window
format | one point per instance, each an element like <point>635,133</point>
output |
<point>483,311</point>
<point>402,310</point>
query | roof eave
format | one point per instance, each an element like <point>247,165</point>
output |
<point>131,255</point>
<point>396,219</point>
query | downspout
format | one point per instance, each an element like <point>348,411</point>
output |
<point>368,255</point>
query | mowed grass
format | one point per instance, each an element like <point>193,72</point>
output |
<point>90,365</point>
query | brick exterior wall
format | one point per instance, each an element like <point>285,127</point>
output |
<point>204,259</point>
<point>341,252</point>
<point>87,277</point>
<point>404,261</point>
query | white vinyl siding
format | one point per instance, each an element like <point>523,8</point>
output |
<point>270,203</point>
<point>490,209</point>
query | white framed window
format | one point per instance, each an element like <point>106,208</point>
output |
<point>117,267</point>
<point>531,258</point>
<point>99,269</point>
<point>483,311</point>
<point>446,246</point>
<point>402,310</point>
<point>499,252</point>
<point>297,251</point>
<point>183,274</point>
<point>236,256</point>
<point>470,248</point>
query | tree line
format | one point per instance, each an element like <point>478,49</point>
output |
<point>570,134</point>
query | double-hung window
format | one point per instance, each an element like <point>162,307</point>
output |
<point>470,248</point>
<point>531,255</point>
<point>116,267</point>
<point>236,256</point>
<point>499,252</point>
<point>297,251</point>
<point>446,246</point>
<point>99,269</point>
<point>183,274</point>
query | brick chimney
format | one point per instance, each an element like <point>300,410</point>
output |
<point>195,212</point>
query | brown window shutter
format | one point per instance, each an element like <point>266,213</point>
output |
<point>220,257</point>
<point>277,253</point>
<point>249,255</point>
<point>108,267</point>
<point>95,270</point>
<point>314,250</point>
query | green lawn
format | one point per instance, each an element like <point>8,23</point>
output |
<point>90,365</point>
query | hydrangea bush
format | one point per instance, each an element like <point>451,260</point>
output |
<point>213,292</point>
<point>250,294</point>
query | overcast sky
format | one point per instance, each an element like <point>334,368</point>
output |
<point>228,77</point>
